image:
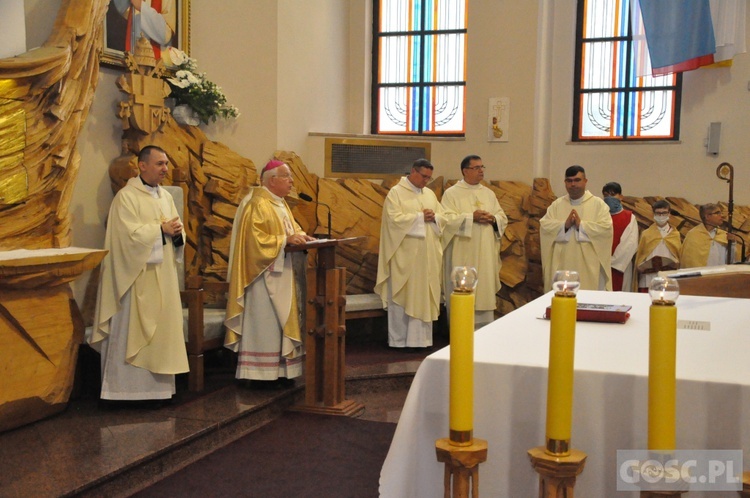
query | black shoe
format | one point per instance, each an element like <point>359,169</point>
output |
<point>271,385</point>
<point>137,404</point>
<point>286,383</point>
<point>413,350</point>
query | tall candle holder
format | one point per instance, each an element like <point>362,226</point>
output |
<point>557,463</point>
<point>662,381</point>
<point>461,452</point>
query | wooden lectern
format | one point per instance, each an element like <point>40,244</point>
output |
<point>713,281</point>
<point>325,333</point>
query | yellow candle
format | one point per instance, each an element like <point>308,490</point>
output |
<point>560,374</point>
<point>661,376</point>
<point>462,368</point>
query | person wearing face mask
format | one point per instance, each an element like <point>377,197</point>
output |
<point>659,247</point>
<point>706,244</point>
<point>624,238</point>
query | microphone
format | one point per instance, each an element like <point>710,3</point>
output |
<point>307,198</point>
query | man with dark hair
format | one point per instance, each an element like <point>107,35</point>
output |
<point>411,256</point>
<point>473,236</point>
<point>659,247</point>
<point>624,238</point>
<point>706,244</point>
<point>612,189</point>
<point>576,234</point>
<point>138,321</point>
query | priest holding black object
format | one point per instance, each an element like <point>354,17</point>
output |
<point>138,321</point>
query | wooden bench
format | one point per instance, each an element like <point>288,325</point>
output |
<point>364,306</point>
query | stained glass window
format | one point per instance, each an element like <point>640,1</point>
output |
<point>611,102</point>
<point>419,67</point>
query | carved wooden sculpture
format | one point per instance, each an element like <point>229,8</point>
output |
<point>214,177</point>
<point>45,95</point>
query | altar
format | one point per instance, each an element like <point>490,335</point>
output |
<point>610,395</point>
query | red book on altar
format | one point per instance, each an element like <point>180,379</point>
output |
<point>613,313</point>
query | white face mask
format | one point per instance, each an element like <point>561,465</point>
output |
<point>661,219</point>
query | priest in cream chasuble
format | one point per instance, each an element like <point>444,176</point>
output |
<point>411,257</point>
<point>138,320</point>
<point>576,234</point>
<point>473,237</point>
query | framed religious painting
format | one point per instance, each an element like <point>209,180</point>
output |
<point>164,23</point>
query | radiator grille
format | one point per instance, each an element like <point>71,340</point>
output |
<point>372,158</point>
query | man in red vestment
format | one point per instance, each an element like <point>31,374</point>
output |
<point>624,240</point>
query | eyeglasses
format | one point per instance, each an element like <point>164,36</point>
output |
<point>283,176</point>
<point>426,177</point>
<point>476,168</point>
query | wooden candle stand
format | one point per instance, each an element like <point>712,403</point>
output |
<point>745,493</point>
<point>557,474</point>
<point>661,494</point>
<point>461,466</point>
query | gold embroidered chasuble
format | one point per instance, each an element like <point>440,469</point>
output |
<point>697,245</point>
<point>651,238</point>
<point>261,231</point>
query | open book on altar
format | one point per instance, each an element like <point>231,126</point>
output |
<point>613,313</point>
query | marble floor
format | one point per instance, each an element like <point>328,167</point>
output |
<point>95,450</point>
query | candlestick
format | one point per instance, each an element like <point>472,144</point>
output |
<point>461,412</point>
<point>662,355</point>
<point>561,357</point>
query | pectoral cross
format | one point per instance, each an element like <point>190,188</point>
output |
<point>477,203</point>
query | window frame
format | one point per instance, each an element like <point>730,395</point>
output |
<point>628,91</point>
<point>376,86</point>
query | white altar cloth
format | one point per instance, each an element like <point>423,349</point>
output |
<point>610,396</point>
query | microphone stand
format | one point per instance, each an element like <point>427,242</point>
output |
<point>307,198</point>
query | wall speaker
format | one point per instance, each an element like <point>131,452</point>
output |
<point>714,138</point>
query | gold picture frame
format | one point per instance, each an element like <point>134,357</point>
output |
<point>116,27</point>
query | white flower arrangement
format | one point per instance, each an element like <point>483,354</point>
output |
<point>189,87</point>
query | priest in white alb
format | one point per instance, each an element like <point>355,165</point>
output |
<point>473,236</point>
<point>138,320</point>
<point>411,257</point>
<point>576,234</point>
